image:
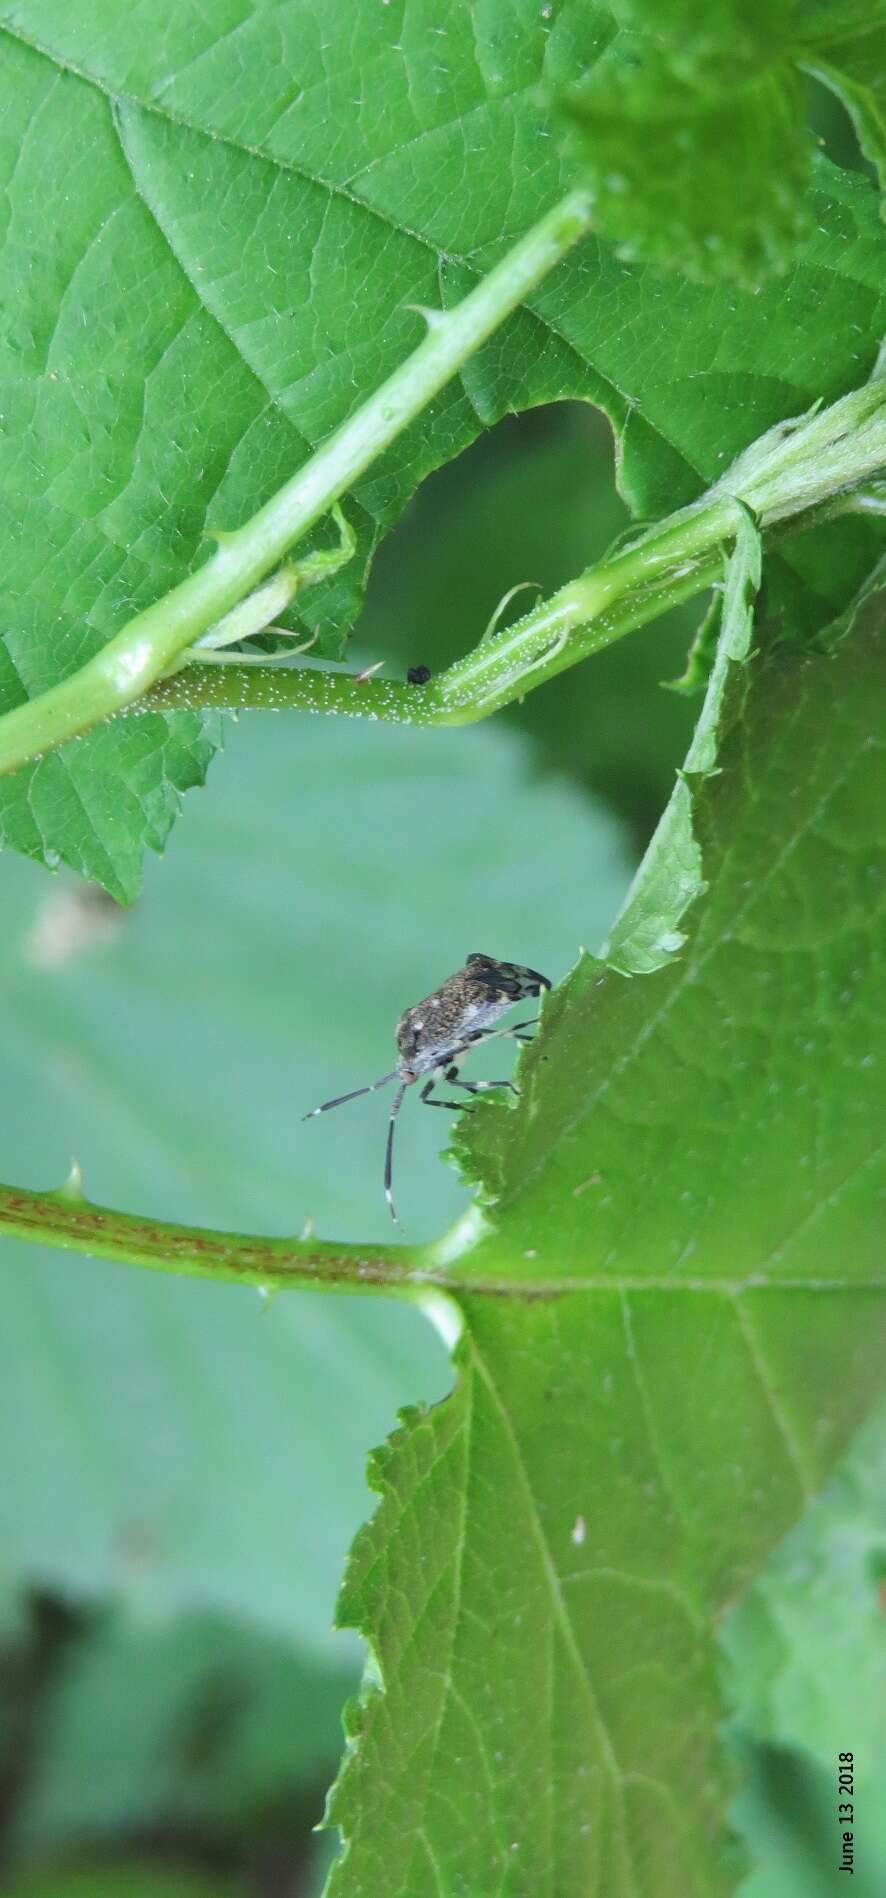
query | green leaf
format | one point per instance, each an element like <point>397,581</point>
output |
<point>707,182</point>
<point>215,278</point>
<point>847,51</point>
<point>857,74</point>
<point>180,1446</point>
<point>719,41</point>
<point>647,933</point>
<point>677,1321</point>
<point>690,122</point>
<point>700,656</point>
<point>863,615</point>
<point>100,803</point>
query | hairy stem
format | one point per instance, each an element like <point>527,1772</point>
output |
<point>66,1219</point>
<point>423,1274</point>
<point>149,644</point>
<point>794,470</point>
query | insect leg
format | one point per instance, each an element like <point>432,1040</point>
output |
<point>482,1087</point>
<point>389,1149</point>
<point>355,1092</point>
<point>494,1034</point>
<point>425,1094</point>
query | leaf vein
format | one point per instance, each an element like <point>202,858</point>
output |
<point>773,1401</point>
<point>563,1618</point>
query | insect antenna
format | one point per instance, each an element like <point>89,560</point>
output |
<point>389,1149</point>
<point>355,1092</point>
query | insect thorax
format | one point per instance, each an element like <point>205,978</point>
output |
<point>428,1036</point>
<point>463,1007</point>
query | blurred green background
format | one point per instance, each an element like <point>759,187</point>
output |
<point>182,1463</point>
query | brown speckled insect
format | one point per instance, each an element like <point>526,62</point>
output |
<point>434,1037</point>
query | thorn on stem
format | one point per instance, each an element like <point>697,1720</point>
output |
<point>72,1189</point>
<point>434,318</point>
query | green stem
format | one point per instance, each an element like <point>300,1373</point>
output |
<point>513,663</point>
<point>791,472</point>
<point>148,645</point>
<point>66,1219</point>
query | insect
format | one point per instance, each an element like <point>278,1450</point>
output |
<point>434,1036</point>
